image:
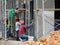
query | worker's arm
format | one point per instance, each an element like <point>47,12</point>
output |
<point>30,25</point>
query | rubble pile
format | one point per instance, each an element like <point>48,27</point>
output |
<point>52,39</point>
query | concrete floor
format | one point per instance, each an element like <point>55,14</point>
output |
<point>10,42</point>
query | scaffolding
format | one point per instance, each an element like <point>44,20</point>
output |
<point>2,19</point>
<point>43,14</point>
<point>23,12</point>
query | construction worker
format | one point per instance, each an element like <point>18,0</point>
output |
<point>17,25</point>
<point>22,30</point>
<point>8,28</point>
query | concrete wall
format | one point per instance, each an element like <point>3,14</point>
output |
<point>48,22</point>
<point>38,25</point>
<point>44,26</point>
<point>47,3</point>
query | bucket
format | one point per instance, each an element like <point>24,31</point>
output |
<point>30,38</point>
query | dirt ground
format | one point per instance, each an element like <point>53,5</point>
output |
<point>10,42</point>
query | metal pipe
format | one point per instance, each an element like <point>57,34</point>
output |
<point>5,20</point>
<point>28,15</point>
<point>43,26</point>
<point>17,3</point>
<point>2,17</point>
<point>49,9</point>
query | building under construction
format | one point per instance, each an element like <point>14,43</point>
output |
<point>42,12</point>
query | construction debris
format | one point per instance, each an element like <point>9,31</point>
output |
<point>52,39</point>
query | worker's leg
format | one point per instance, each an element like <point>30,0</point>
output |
<point>24,36</point>
<point>7,33</point>
<point>17,35</point>
<point>20,37</point>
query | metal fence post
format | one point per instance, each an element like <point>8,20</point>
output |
<point>5,19</point>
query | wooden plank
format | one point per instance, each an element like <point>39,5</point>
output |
<point>47,9</point>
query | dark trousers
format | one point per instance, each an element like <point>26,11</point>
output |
<point>8,33</point>
<point>17,38</point>
<point>23,36</point>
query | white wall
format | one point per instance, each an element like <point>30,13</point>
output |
<point>38,25</point>
<point>48,23</point>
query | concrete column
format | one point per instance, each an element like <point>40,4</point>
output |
<point>28,3</point>
<point>36,19</point>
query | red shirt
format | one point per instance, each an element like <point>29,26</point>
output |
<point>22,29</point>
